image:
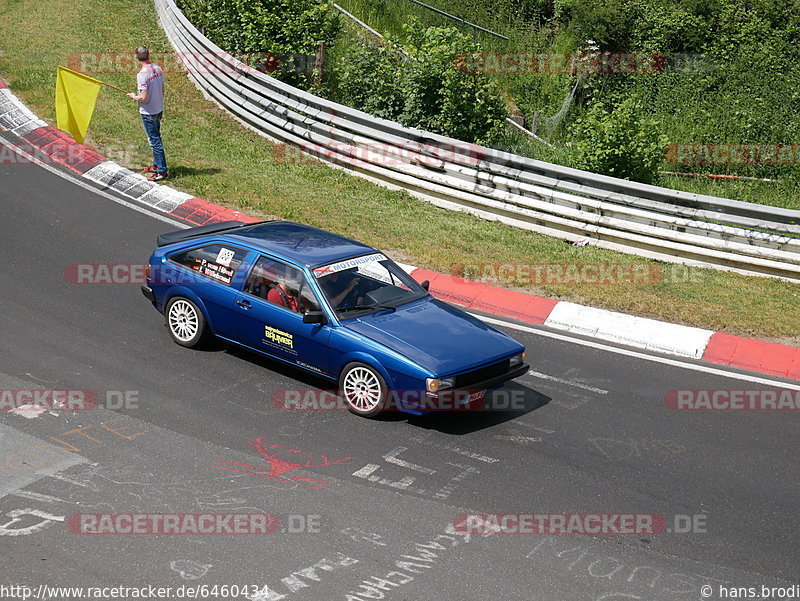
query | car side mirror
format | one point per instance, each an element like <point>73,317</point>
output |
<point>315,317</point>
<point>425,285</point>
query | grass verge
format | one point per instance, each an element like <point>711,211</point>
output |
<point>213,157</point>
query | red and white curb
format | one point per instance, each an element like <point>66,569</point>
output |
<point>650,334</point>
<point>52,145</point>
<point>780,360</point>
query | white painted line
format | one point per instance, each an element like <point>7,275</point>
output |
<point>620,351</point>
<point>35,496</point>
<point>392,458</point>
<point>518,439</point>
<point>86,186</point>
<point>29,411</point>
<point>542,376</point>
<point>366,470</point>
<point>470,454</point>
<point>520,422</point>
<point>72,481</point>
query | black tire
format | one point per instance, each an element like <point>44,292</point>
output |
<point>185,322</point>
<point>363,389</point>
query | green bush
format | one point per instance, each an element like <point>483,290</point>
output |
<point>618,141</point>
<point>413,79</point>
<point>290,29</point>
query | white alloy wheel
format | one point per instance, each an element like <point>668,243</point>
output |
<point>363,389</point>
<point>185,322</point>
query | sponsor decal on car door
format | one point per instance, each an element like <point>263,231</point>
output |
<point>270,316</point>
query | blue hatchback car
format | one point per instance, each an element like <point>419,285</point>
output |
<point>331,306</point>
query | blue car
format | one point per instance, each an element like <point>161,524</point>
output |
<point>331,306</point>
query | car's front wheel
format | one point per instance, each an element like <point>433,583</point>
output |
<point>185,322</point>
<point>363,389</point>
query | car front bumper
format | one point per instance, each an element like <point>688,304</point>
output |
<point>488,384</point>
<point>457,399</point>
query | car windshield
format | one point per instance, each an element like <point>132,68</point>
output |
<point>366,284</point>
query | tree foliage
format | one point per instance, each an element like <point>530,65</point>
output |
<point>289,30</point>
<point>619,141</point>
<point>415,79</point>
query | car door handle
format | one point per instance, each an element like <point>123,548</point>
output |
<point>244,303</point>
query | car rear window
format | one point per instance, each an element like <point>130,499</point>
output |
<point>218,262</point>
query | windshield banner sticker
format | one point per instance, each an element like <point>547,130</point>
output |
<point>348,264</point>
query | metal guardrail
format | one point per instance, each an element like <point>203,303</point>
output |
<point>621,215</point>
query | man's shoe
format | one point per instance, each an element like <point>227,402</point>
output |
<point>157,177</point>
<point>150,169</point>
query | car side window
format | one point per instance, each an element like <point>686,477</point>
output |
<point>282,285</point>
<point>219,262</point>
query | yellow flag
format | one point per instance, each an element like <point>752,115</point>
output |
<point>76,95</point>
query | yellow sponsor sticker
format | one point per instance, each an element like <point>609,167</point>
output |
<point>279,336</point>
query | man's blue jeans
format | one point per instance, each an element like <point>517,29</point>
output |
<point>152,126</point>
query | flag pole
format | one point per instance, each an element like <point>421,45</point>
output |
<point>110,86</point>
<point>92,79</point>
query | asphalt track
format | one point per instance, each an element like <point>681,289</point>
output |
<point>593,436</point>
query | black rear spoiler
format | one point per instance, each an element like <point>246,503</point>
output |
<point>202,230</point>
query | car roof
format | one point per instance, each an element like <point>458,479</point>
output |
<point>301,243</point>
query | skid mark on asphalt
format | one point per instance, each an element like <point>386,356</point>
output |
<point>617,449</point>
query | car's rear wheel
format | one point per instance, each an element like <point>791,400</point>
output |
<point>185,322</point>
<point>363,389</point>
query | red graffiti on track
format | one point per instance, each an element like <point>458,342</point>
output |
<point>279,464</point>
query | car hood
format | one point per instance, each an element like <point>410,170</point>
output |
<point>436,336</point>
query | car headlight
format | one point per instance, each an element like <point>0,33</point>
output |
<point>437,384</point>
<point>517,359</point>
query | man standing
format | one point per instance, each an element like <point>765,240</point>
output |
<point>150,96</point>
